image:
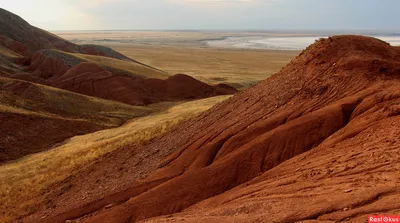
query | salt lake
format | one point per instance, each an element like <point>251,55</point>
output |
<point>280,43</point>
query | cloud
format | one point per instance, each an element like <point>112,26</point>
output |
<point>219,1</point>
<point>93,3</point>
<point>207,14</point>
<point>212,1</point>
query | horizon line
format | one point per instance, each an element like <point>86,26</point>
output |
<point>386,31</point>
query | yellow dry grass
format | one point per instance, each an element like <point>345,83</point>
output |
<point>185,52</point>
<point>8,53</point>
<point>239,68</point>
<point>132,68</point>
<point>135,69</point>
<point>45,101</point>
<point>27,178</point>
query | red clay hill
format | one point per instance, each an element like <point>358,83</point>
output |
<point>90,79</point>
<point>317,142</point>
<point>34,116</point>
<point>20,36</point>
<point>32,54</point>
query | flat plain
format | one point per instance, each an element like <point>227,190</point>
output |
<point>187,52</point>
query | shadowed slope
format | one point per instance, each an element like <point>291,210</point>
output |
<point>48,178</point>
<point>18,30</point>
<point>334,90</point>
<point>53,63</point>
<point>44,58</point>
<point>34,117</point>
<point>90,79</point>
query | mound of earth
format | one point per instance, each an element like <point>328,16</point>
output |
<point>317,142</point>
<point>91,79</point>
<point>31,54</point>
<point>25,39</point>
<point>102,51</point>
<point>17,29</point>
<point>14,46</point>
<point>34,117</point>
<point>50,63</point>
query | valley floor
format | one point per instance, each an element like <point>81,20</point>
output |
<point>187,52</point>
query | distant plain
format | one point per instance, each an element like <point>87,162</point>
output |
<point>188,52</point>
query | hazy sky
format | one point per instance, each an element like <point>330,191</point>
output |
<point>207,14</point>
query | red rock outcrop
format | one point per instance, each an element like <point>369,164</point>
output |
<point>46,67</point>
<point>328,123</point>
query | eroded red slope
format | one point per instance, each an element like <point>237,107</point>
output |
<point>42,57</point>
<point>34,117</point>
<point>90,79</point>
<point>336,90</point>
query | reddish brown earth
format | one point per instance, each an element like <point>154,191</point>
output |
<point>15,46</point>
<point>43,60</point>
<point>19,35</point>
<point>317,142</point>
<point>32,55</point>
<point>34,117</point>
<point>45,67</point>
<point>24,134</point>
<point>90,79</point>
<point>70,73</point>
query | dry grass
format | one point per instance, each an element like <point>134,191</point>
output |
<point>240,68</point>
<point>135,69</point>
<point>185,52</point>
<point>29,177</point>
<point>8,53</point>
<point>45,101</point>
<point>161,38</point>
<point>131,68</point>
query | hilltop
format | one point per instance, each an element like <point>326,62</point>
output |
<point>32,54</point>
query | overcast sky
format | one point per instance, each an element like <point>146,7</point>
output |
<point>207,14</point>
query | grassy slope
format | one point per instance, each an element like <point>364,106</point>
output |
<point>6,55</point>
<point>29,177</point>
<point>120,65</point>
<point>44,101</point>
<point>130,68</point>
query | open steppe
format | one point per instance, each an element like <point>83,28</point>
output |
<point>117,133</point>
<point>186,52</point>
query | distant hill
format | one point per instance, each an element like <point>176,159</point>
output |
<point>32,54</point>
<point>34,116</point>
<point>15,28</point>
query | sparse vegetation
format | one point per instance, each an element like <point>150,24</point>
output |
<point>127,67</point>
<point>47,101</point>
<point>238,68</point>
<point>8,53</point>
<point>133,68</point>
<point>29,177</point>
